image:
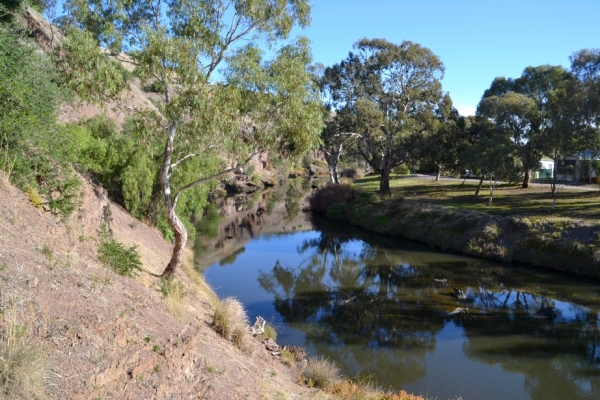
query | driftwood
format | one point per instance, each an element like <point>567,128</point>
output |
<point>259,326</point>
<point>458,311</point>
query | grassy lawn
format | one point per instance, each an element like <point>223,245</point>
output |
<point>535,201</point>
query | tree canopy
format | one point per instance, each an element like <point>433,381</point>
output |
<point>251,106</point>
<point>390,92</point>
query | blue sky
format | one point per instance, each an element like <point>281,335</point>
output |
<point>477,40</point>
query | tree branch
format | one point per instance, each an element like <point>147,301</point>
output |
<point>210,178</point>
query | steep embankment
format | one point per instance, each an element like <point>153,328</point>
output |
<point>103,335</point>
<point>557,243</point>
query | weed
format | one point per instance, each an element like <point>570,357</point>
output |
<point>157,368</point>
<point>156,348</point>
<point>124,261</point>
<point>209,369</point>
<point>148,339</point>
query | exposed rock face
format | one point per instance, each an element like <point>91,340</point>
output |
<point>242,183</point>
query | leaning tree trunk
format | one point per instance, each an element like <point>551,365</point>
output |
<point>479,186</point>
<point>439,172</point>
<point>172,219</point>
<point>526,180</point>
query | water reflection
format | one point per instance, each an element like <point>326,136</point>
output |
<point>393,309</point>
<point>378,307</point>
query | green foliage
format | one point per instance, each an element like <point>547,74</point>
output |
<point>337,211</point>
<point>33,151</point>
<point>86,70</point>
<point>270,332</point>
<point>114,255</point>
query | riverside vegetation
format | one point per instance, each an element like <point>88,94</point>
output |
<point>520,226</point>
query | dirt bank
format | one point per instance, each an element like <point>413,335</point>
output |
<point>106,336</point>
<point>556,243</point>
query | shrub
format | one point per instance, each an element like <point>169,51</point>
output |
<point>288,358</point>
<point>114,255</point>
<point>321,373</point>
<point>329,195</point>
<point>231,322</point>
<point>337,211</point>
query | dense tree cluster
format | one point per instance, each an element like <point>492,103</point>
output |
<point>386,106</point>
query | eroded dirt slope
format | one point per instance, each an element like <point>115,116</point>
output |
<point>106,336</point>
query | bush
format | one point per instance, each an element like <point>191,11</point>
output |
<point>321,373</point>
<point>329,195</point>
<point>124,261</point>
<point>337,211</point>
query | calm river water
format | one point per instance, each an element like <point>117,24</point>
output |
<point>376,306</point>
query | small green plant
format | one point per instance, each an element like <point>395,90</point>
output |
<point>270,332</point>
<point>209,369</point>
<point>34,197</point>
<point>114,255</point>
<point>157,368</point>
<point>256,179</point>
<point>156,348</point>
<point>147,339</point>
<point>288,358</point>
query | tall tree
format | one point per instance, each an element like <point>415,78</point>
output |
<point>392,92</point>
<point>255,106</point>
<point>519,109</point>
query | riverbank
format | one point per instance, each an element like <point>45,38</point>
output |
<point>512,230</point>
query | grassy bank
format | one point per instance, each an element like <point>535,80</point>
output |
<point>519,226</point>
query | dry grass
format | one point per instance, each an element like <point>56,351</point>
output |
<point>364,389</point>
<point>231,322</point>
<point>321,373</point>
<point>23,365</point>
<point>173,293</point>
<point>199,287</point>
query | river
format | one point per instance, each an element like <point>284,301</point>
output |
<point>387,308</point>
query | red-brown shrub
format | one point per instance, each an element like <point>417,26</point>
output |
<point>331,194</point>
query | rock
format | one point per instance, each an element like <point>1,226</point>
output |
<point>298,352</point>
<point>271,345</point>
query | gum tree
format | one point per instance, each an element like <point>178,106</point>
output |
<point>392,92</point>
<point>221,97</point>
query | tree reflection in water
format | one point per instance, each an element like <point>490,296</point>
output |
<point>376,308</point>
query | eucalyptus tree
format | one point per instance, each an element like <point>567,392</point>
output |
<point>391,92</point>
<point>221,96</point>
<point>519,109</point>
<point>442,146</point>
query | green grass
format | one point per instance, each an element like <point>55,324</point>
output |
<point>535,201</point>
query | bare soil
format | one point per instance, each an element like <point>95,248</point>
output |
<point>106,336</point>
